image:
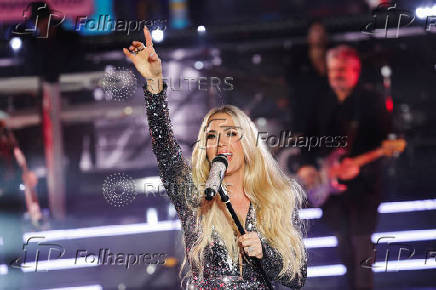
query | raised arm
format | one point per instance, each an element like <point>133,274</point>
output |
<point>174,171</point>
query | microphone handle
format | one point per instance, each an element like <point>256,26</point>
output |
<point>242,232</point>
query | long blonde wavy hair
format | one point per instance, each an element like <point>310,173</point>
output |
<point>276,199</point>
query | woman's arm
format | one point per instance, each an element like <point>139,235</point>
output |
<point>272,263</point>
<point>174,171</point>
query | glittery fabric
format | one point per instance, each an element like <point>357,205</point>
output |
<point>220,271</point>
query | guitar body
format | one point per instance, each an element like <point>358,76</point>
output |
<point>327,183</point>
<point>333,167</point>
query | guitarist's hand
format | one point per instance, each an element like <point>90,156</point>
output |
<point>346,170</point>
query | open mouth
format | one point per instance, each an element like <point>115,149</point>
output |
<point>227,154</point>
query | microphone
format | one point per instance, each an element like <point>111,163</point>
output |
<point>216,176</point>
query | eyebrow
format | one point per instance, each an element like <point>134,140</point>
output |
<point>226,128</point>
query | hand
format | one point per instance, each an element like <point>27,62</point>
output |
<point>146,62</point>
<point>309,176</point>
<point>347,169</point>
<point>252,245</point>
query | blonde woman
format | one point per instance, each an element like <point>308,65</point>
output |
<point>264,199</point>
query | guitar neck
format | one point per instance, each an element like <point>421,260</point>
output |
<point>368,157</point>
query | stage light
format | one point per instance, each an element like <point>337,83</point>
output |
<point>402,265</point>
<point>310,213</point>
<point>198,65</point>
<point>87,287</point>
<point>321,242</point>
<point>386,71</point>
<point>150,269</point>
<point>105,231</point>
<point>15,43</point>
<point>98,94</point>
<point>407,206</point>
<point>3,269</point>
<point>22,187</point>
<point>56,264</point>
<point>326,270</point>
<point>152,218</point>
<point>157,35</point>
<point>405,236</point>
<point>201,30</point>
<point>424,12</point>
<point>256,59</point>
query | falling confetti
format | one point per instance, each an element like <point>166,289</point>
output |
<point>119,189</point>
<point>118,83</point>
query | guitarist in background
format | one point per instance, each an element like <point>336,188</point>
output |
<point>350,110</point>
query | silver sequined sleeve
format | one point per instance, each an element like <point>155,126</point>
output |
<point>174,171</point>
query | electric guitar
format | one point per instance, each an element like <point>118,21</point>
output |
<point>326,183</point>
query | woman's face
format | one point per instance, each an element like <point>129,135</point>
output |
<point>223,136</point>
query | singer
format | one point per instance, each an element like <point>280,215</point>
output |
<point>264,198</point>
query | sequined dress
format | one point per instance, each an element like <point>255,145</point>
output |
<point>220,271</point>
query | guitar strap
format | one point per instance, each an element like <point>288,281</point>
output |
<point>353,127</point>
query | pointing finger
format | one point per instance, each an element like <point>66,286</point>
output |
<point>148,39</point>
